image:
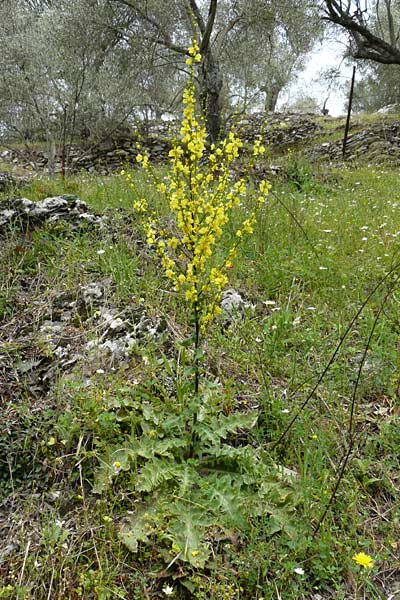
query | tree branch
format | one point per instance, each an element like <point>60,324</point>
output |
<point>205,42</point>
<point>368,45</point>
<point>163,39</point>
<point>197,14</point>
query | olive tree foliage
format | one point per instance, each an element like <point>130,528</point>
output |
<point>373,27</point>
<point>250,48</point>
<point>168,28</point>
<point>89,67</point>
<point>379,86</point>
<point>267,49</point>
<point>67,71</point>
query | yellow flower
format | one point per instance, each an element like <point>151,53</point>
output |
<point>202,197</point>
<point>264,187</point>
<point>117,467</point>
<point>364,560</point>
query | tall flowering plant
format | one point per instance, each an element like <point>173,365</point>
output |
<point>202,196</point>
<point>188,478</point>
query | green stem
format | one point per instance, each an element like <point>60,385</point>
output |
<point>196,309</point>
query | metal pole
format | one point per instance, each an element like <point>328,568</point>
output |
<point>346,131</point>
<point>64,138</point>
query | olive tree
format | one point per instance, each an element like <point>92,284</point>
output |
<point>267,49</point>
<point>248,47</point>
<point>66,68</point>
<point>373,30</point>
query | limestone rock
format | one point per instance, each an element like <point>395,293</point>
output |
<point>25,214</point>
<point>233,304</point>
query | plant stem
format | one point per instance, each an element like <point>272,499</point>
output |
<point>196,349</point>
<point>196,310</point>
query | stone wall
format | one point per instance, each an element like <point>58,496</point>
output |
<point>377,142</point>
<point>112,154</point>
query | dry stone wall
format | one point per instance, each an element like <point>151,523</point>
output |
<point>114,153</point>
<point>377,142</point>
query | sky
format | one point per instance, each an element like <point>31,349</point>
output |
<point>309,81</point>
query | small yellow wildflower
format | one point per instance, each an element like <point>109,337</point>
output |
<point>117,467</point>
<point>258,148</point>
<point>162,188</point>
<point>364,560</point>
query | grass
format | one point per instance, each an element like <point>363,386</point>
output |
<point>303,285</point>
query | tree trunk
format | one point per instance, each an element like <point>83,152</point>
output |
<point>210,92</point>
<point>271,98</point>
<point>51,154</point>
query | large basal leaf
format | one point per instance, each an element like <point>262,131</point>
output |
<point>226,499</point>
<point>155,472</point>
<point>148,447</point>
<point>217,429</point>
<point>188,529</point>
<point>138,527</point>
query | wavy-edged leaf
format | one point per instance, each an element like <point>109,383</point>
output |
<point>154,473</point>
<point>149,447</point>
<point>218,429</point>
<point>138,527</point>
<point>225,496</point>
<point>188,530</point>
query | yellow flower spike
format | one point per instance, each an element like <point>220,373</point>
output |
<point>173,243</point>
<point>201,196</point>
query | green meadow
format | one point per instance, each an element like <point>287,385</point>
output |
<point>289,488</point>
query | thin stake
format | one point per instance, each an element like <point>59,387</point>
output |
<point>346,131</point>
<point>21,575</point>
